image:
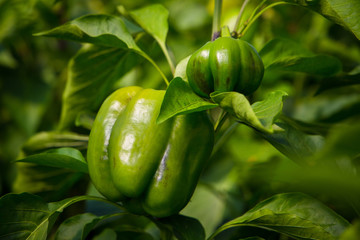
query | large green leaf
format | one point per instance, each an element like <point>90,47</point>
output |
<point>27,216</point>
<point>100,29</point>
<point>180,99</point>
<point>78,226</point>
<point>91,75</point>
<point>69,158</point>
<point>294,214</point>
<point>184,228</point>
<point>294,143</point>
<point>50,183</point>
<point>345,13</point>
<point>287,55</point>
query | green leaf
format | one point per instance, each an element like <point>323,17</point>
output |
<point>27,216</point>
<point>23,216</point>
<point>46,140</point>
<point>78,226</point>
<point>294,143</point>
<point>210,214</point>
<point>69,158</point>
<point>287,55</point>
<point>238,105</point>
<point>180,99</point>
<point>98,29</point>
<point>180,70</point>
<point>184,228</point>
<point>103,66</point>
<point>107,234</point>
<point>268,110</point>
<point>352,78</point>
<point>294,214</point>
<point>50,183</point>
<point>154,20</point>
<point>345,13</point>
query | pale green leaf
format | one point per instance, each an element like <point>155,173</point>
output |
<point>69,158</point>
<point>237,104</point>
<point>268,110</point>
<point>180,99</point>
<point>154,20</point>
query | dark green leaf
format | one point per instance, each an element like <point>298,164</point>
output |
<point>267,110</point>
<point>27,216</point>
<point>50,183</point>
<point>253,238</point>
<point>100,29</point>
<point>294,214</point>
<point>294,143</point>
<point>339,81</point>
<point>107,234</point>
<point>23,216</point>
<point>104,66</point>
<point>69,158</point>
<point>78,226</point>
<point>287,55</point>
<point>180,99</point>
<point>238,105</point>
<point>184,228</point>
<point>345,13</point>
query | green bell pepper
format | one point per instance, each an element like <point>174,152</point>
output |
<point>152,168</point>
<point>224,65</point>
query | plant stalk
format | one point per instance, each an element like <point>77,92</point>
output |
<point>216,20</point>
<point>240,15</point>
<point>168,58</point>
<point>254,18</point>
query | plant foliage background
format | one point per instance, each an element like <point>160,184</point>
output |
<point>47,105</point>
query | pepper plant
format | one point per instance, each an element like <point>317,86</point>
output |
<point>235,125</point>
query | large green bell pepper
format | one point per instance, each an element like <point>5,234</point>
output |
<point>133,159</point>
<point>226,64</point>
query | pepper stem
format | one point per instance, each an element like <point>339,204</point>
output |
<point>216,20</point>
<point>225,31</point>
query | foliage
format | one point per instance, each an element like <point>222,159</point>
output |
<point>286,158</point>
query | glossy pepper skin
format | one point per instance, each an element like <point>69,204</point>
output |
<point>226,64</point>
<point>153,168</point>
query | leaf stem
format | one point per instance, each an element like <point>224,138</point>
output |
<point>216,25</point>
<point>155,65</point>
<point>240,15</point>
<point>253,18</point>
<point>168,58</point>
